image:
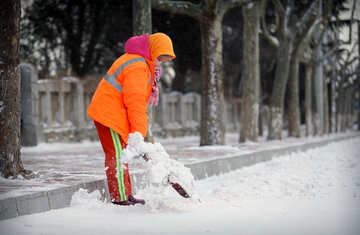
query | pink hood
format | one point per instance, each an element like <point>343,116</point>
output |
<point>138,45</point>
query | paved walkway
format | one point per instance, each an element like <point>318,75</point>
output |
<point>63,169</point>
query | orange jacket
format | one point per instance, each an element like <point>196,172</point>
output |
<point>120,100</point>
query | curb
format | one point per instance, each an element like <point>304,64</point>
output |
<point>47,200</point>
<point>208,168</point>
<point>61,197</point>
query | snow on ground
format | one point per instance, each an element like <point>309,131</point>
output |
<point>313,192</point>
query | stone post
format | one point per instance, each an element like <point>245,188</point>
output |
<point>31,129</point>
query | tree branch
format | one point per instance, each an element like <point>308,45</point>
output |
<point>349,53</point>
<point>235,3</point>
<point>348,61</point>
<point>286,18</point>
<point>279,8</point>
<point>304,18</point>
<point>178,7</point>
<point>331,52</point>
<point>351,21</point>
<point>272,40</point>
<point>353,60</point>
<point>308,35</point>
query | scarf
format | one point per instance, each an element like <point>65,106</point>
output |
<point>154,96</point>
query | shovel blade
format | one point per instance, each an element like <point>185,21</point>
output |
<point>179,189</point>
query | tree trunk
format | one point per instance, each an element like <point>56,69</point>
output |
<point>333,101</point>
<point>358,79</point>
<point>317,80</point>
<point>293,99</point>
<point>326,126</point>
<point>10,90</point>
<point>260,119</point>
<point>345,123</point>
<point>141,25</point>
<point>278,92</point>
<point>358,104</point>
<point>212,126</point>
<point>350,108</point>
<point>251,79</point>
<point>318,102</point>
<point>340,105</point>
<point>308,101</point>
<point>142,17</point>
<point>210,15</point>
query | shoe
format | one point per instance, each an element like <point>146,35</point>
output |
<point>124,203</point>
<point>135,201</point>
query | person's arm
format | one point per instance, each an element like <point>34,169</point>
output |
<point>134,91</point>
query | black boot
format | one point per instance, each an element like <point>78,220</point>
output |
<point>135,201</point>
<point>124,203</point>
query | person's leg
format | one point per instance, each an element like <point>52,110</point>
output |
<point>117,173</point>
<point>119,170</point>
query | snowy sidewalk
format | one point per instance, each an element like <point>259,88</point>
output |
<point>63,169</point>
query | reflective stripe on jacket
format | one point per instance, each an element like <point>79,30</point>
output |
<point>120,101</point>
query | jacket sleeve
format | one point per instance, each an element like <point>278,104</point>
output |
<point>134,92</point>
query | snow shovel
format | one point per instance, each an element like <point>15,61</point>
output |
<point>176,186</point>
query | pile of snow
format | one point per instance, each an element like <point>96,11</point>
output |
<point>331,172</point>
<point>311,192</point>
<point>86,201</point>
<point>154,197</point>
<point>315,173</point>
<point>160,168</point>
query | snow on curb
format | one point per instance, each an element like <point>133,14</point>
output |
<point>60,198</point>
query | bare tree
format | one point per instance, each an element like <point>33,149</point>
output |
<point>308,104</point>
<point>284,43</point>
<point>346,84</point>
<point>251,77</point>
<point>209,14</point>
<point>142,25</point>
<point>343,73</point>
<point>293,82</point>
<point>10,91</point>
<point>358,77</point>
<point>300,46</point>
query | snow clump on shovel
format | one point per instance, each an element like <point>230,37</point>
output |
<point>160,168</point>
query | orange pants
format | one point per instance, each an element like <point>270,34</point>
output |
<point>117,173</point>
